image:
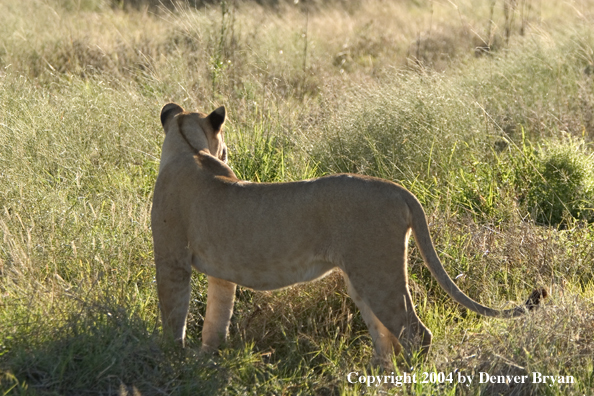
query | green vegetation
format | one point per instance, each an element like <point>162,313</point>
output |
<point>484,109</point>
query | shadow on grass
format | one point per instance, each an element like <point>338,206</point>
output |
<point>102,351</point>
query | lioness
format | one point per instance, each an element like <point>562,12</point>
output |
<point>272,235</point>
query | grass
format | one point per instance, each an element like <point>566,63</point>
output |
<point>485,114</point>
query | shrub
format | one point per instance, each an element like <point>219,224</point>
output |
<point>557,182</point>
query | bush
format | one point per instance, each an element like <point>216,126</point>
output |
<point>557,182</point>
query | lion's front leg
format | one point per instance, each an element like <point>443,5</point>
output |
<point>173,285</point>
<point>219,308</point>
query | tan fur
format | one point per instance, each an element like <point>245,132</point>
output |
<point>268,236</point>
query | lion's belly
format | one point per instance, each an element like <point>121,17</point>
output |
<point>269,275</point>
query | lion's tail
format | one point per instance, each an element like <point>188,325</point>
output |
<point>423,239</point>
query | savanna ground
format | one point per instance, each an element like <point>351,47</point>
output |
<point>483,108</point>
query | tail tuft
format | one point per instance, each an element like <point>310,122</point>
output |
<point>535,298</point>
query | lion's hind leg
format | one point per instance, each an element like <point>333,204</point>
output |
<point>385,344</point>
<point>219,308</point>
<point>386,306</point>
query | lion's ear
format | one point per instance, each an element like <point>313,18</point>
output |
<point>217,118</point>
<point>168,112</point>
